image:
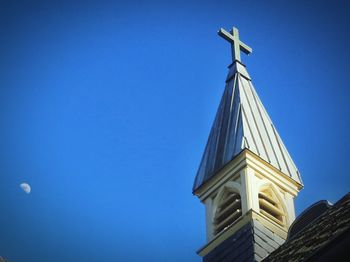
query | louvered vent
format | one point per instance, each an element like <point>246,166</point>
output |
<point>228,211</point>
<point>269,207</point>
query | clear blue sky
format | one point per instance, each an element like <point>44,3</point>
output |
<point>105,109</point>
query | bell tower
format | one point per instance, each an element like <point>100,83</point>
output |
<point>246,179</point>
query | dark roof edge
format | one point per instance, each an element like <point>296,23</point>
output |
<point>330,205</point>
<point>320,249</point>
<point>301,216</point>
<point>340,201</point>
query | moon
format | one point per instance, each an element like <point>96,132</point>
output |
<point>25,187</point>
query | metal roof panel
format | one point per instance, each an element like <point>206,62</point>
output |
<point>242,122</point>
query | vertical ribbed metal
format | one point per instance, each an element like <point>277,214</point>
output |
<point>242,122</point>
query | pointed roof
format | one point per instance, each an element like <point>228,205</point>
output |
<point>242,122</point>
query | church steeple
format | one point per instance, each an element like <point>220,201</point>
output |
<point>246,179</point>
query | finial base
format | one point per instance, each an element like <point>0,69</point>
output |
<point>237,67</point>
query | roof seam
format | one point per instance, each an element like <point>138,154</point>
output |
<point>258,105</point>
<point>250,131</point>
<point>255,122</point>
<point>279,145</point>
<point>229,119</point>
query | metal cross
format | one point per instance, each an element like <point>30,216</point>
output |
<point>236,45</point>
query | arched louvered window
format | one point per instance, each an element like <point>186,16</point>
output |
<point>228,211</point>
<point>270,206</point>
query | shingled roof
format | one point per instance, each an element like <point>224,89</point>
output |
<point>325,238</point>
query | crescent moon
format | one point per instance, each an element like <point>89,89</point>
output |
<point>25,187</point>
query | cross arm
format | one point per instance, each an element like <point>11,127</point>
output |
<point>226,35</point>
<point>246,49</point>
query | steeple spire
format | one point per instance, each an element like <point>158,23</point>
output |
<point>246,179</point>
<point>236,44</point>
<point>242,123</point>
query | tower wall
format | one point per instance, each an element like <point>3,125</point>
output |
<point>254,233</point>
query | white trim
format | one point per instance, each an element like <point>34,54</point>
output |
<point>208,216</point>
